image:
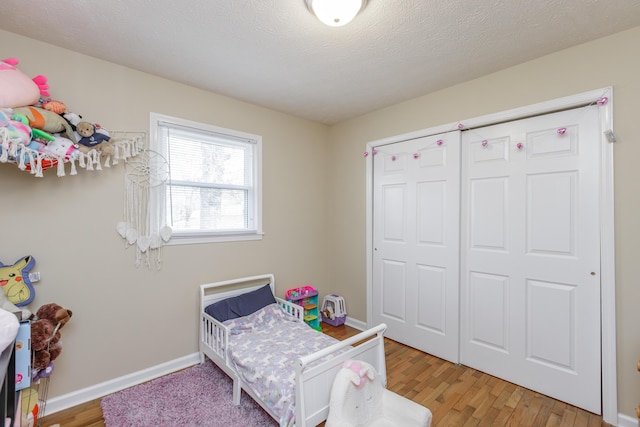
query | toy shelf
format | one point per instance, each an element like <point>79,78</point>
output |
<point>307,298</point>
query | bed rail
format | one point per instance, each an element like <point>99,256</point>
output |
<point>214,334</point>
<point>314,381</point>
<point>377,330</point>
<point>293,309</point>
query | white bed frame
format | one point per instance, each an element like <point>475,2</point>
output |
<point>313,384</point>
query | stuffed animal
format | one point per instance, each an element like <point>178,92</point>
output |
<point>91,137</point>
<point>22,142</point>
<point>16,88</point>
<point>55,106</point>
<point>55,313</point>
<point>46,120</point>
<point>45,336</point>
<point>36,374</point>
<point>60,147</point>
<point>72,118</point>
<point>19,130</point>
<point>44,341</point>
<point>15,281</point>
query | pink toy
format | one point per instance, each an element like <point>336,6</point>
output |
<point>16,88</point>
<point>364,373</point>
<point>301,292</point>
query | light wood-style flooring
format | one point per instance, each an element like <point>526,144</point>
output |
<point>456,395</point>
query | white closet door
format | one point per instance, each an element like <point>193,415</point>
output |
<point>530,282</point>
<point>416,242</point>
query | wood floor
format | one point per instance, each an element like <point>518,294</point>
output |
<point>456,395</point>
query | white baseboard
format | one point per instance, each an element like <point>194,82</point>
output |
<point>355,323</point>
<point>627,421</point>
<point>69,400</point>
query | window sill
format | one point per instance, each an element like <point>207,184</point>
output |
<point>190,239</point>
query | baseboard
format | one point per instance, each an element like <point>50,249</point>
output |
<point>627,421</point>
<point>66,401</point>
<point>355,323</point>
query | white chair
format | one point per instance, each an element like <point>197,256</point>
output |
<point>359,399</point>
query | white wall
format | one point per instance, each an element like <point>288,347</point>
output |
<point>611,61</point>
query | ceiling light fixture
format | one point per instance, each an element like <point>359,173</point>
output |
<point>335,13</point>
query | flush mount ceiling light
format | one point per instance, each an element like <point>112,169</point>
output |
<point>335,13</point>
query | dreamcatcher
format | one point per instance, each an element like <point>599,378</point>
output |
<point>143,227</point>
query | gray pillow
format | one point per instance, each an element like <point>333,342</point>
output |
<point>241,305</point>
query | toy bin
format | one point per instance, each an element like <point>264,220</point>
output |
<point>333,310</point>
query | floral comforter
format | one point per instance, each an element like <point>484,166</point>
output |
<point>264,347</point>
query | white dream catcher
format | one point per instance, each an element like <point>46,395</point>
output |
<point>143,225</point>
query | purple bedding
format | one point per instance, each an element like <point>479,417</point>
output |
<point>264,347</point>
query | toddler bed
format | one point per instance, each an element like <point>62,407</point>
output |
<point>263,344</point>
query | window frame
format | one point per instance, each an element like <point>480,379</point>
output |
<point>158,201</point>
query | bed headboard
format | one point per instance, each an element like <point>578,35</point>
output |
<point>213,292</point>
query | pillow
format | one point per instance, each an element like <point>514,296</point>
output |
<point>241,305</point>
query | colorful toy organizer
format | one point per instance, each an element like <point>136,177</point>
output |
<point>307,297</point>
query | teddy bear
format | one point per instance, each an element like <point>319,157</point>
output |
<point>90,137</point>
<point>45,336</point>
<point>94,142</point>
<point>44,343</point>
<point>87,135</point>
<point>55,313</point>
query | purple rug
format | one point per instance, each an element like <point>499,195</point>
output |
<point>200,396</point>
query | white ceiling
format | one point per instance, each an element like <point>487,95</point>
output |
<point>276,54</point>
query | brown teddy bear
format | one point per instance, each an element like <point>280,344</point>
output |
<point>55,313</point>
<point>91,137</point>
<point>45,336</point>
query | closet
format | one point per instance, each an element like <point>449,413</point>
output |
<point>486,249</point>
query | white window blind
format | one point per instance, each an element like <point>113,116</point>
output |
<point>214,186</point>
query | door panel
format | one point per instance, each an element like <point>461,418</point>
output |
<point>416,242</point>
<point>489,311</point>
<point>530,286</point>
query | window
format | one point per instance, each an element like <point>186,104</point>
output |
<point>213,190</point>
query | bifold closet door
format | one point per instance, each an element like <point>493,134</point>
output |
<point>530,257</point>
<point>415,278</point>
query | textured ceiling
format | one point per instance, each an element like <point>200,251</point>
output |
<point>274,53</point>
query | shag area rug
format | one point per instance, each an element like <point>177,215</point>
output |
<point>199,396</point>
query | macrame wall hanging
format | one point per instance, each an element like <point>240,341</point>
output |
<point>143,226</point>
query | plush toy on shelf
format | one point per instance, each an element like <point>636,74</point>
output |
<point>22,143</point>
<point>57,107</point>
<point>92,136</point>
<point>16,88</point>
<point>89,136</point>
<point>46,120</point>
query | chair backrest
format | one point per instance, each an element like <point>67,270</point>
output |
<point>356,395</point>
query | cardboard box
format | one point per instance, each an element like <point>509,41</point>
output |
<point>23,356</point>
